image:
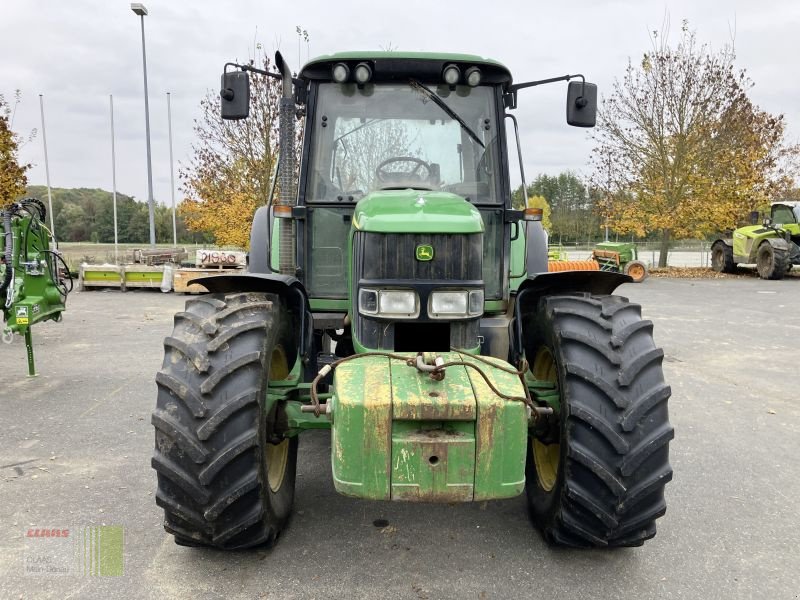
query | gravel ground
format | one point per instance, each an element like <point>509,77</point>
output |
<point>75,447</point>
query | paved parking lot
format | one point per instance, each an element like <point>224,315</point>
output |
<point>75,447</point>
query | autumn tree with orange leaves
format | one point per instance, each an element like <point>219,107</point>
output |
<point>231,169</point>
<point>681,150</point>
<point>12,174</point>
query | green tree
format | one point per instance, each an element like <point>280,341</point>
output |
<point>83,214</point>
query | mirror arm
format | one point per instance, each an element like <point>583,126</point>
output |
<point>510,97</point>
<point>253,69</point>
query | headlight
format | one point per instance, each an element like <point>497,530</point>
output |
<point>451,74</point>
<point>341,72</point>
<point>363,73</point>
<point>398,304</point>
<point>368,302</point>
<point>473,76</point>
<point>395,303</point>
<point>476,302</point>
<point>462,303</point>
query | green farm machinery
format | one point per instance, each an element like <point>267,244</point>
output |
<point>34,280</point>
<point>395,298</point>
<point>774,246</point>
<point>620,257</point>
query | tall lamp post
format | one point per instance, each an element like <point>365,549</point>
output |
<point>171,173</point>
<point>141,11</point>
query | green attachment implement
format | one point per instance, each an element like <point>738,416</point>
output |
<point>34,279</point>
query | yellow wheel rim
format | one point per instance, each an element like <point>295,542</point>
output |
<point>277,455</point>
<point>546,457</point>
<point>277,459</point>
<point>636,272</point>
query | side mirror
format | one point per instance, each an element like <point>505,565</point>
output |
<point>754,215</point>
<point>581,104</point>
<point>235,95</point>
<point>767,221</point>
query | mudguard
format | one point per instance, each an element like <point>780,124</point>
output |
<point>258,261</point>
<point>286,286</point>
<point>778,243</point>
<point>559,282</point>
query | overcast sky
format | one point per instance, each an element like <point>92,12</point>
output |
<point>76,53</point>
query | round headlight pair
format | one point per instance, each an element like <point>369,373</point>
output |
<point>452,75</point>
<point>362,73</point>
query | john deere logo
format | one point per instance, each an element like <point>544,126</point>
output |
<point>424,252</point>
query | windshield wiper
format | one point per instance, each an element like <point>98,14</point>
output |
<point>450,112</point>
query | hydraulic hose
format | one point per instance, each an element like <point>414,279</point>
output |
<point>8,251</point>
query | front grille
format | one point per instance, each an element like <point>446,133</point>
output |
<point>391,258</point>
<point>456,257</point>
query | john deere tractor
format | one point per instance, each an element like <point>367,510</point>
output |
<point>395,298</point>
<point>34,279</point>
<point>773,247</point>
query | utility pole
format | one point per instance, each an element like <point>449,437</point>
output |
<point>171,173</point>
<point>114,178</point>
<point>141,11</point>
<point>47,169</point>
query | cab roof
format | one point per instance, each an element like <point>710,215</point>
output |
<point>394,66</point>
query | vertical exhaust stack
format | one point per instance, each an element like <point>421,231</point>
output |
<point>286,178</point>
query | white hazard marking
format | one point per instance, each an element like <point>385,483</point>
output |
<point>403,457</point>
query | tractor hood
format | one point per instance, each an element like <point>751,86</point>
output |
<point>417,211</point>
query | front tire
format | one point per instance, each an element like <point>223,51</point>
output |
<point>771,262</point>
<point>597,477</point>
<point>224,478</point>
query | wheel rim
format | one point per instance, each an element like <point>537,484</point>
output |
<point>637,272</point>
<point>277,455</point>
<point>546,457</point>
<point>764,260</point>
<point>716,259</point>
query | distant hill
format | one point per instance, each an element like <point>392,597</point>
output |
<point>87,215</point>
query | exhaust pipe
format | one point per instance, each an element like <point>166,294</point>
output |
<point>287,196</point>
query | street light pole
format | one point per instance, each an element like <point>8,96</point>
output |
<point>141,11</point>
<point>114,179</point>
<point>47,169</point>
<point>171,173</point>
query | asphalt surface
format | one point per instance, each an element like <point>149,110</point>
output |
<point>75,446</point>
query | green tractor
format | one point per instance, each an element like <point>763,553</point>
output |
<point>395,298</point>
<point>773,247</point>
<point>34,279</point>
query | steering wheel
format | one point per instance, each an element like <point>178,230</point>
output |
<point>385,176</point>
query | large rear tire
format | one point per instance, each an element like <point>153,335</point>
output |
<point>597,477</point>
<point>224,479</point>
<point>771,262</point>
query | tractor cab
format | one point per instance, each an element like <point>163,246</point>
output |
<point>786,213</point>
<point>405,167</point>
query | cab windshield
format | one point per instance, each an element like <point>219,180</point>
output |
<point>394,136</point>
<point>785,214</point>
